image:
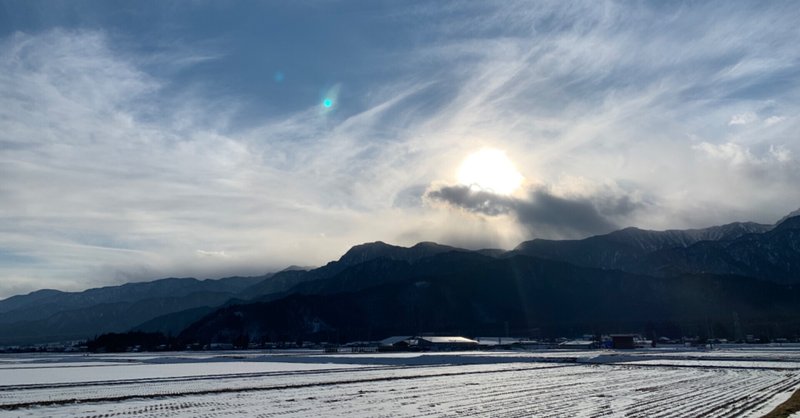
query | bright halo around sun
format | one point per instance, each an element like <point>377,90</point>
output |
<point>490,170</point>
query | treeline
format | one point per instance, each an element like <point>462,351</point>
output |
<point>150,341</point>
<point>130,341</point>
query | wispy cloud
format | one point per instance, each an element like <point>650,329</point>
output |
<point>743,118</point>
<point>737,155</point>
<point>772,120</point>
<point>122,159</point>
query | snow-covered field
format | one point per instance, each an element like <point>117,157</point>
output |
<point>740,381</point>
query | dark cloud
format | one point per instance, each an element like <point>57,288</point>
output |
<point>475,201</point>
<point>554,215</point>
<point>543,213</point>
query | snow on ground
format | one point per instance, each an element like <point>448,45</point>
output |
<point>136,371</point>
<point>641,383</point>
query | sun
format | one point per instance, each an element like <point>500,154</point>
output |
<point>490,170</point>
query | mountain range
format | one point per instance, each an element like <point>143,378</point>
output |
<point>723,280</point>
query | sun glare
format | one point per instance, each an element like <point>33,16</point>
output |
<point>490,170</point>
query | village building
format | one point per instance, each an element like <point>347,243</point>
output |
<point>578,345</point>
<point>434,343</point>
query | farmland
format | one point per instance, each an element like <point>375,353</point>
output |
<point>734,381</point>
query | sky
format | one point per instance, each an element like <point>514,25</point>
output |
<point>150,139</point>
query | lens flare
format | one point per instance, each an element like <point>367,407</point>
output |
<point>329,99</point>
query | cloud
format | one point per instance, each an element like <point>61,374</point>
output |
<point>772,120</point>
<point>729,152</point>
<point>98,190</point>
<point>123,152</point>
<point>541,212</point>
<point>564,217</point>
<point>780,153</point>
<point>476,201</point>
<point>737,154</point>
<point>743,118</point>
<point>95,189</point>
<point>212,254</point>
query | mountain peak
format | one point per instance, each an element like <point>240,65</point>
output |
<point>430,245</point>
<point>368,251</point>
<point>789,216</point>
<point>627,232</point>
<point>371,250</point>
<point>789,222</point>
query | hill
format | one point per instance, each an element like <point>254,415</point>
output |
<point>469,294</point>
<point>51,315</point>
<point>624,280</point>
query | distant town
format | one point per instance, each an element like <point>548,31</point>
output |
<point>144,342</point>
